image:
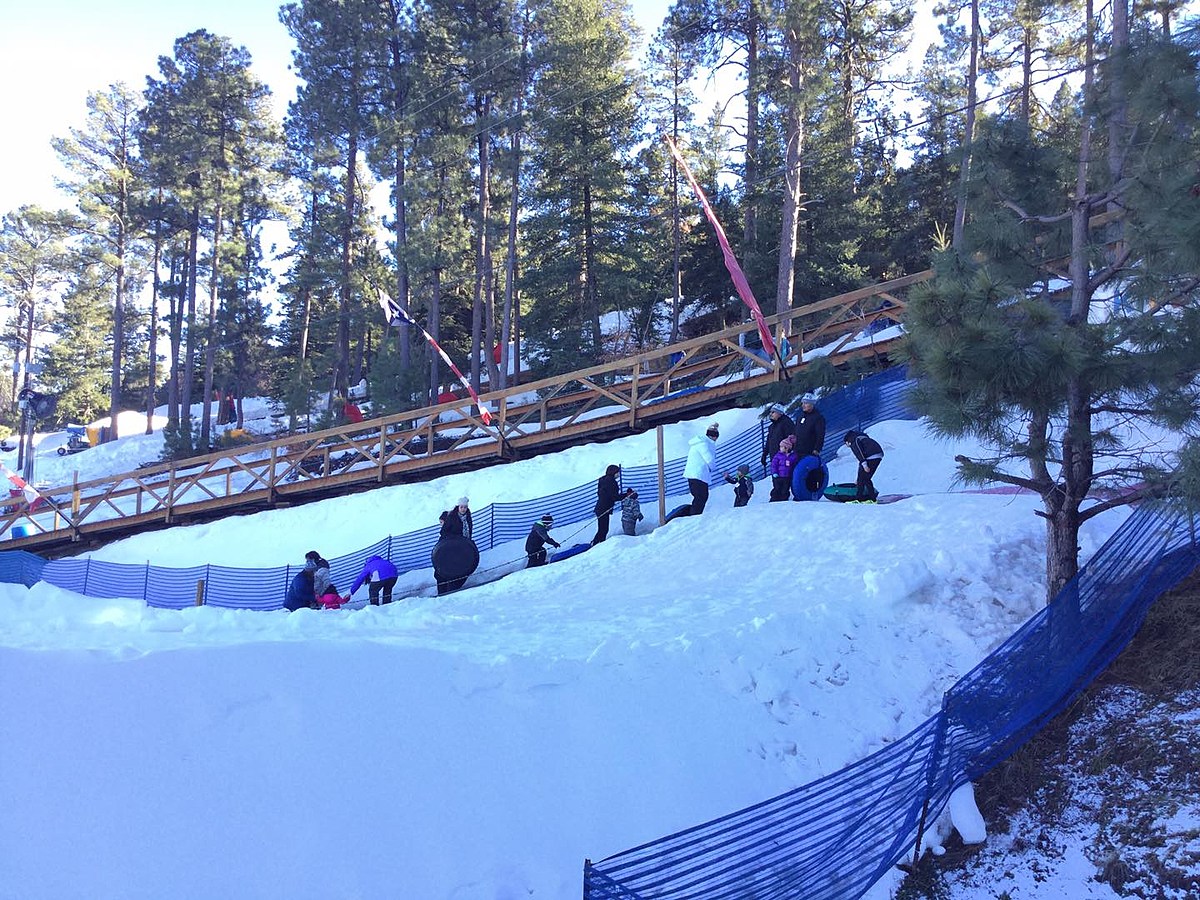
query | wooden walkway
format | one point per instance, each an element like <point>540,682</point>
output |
<point>603,402</point>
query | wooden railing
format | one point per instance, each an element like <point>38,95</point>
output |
<point>655,386</point>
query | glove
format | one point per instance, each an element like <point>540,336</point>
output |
<point>865,467</point>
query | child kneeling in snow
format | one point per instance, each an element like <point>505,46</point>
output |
<point>331,599</point>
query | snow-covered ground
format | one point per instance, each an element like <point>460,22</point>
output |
<point>479,746</point>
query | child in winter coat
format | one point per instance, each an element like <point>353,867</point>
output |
<point>539,537</point>
<point>631,512</point>
<point>331,600</point>
<point>782,464</point>
<point>743,485</point>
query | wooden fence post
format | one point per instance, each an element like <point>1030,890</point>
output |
<point>662,478</point>
<point>200,592</point>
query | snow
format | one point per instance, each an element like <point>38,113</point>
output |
<point>482,744</point>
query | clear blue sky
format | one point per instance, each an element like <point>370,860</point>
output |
<point>54,52</point>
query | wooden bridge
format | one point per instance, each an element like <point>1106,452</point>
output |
<point>599,403</point>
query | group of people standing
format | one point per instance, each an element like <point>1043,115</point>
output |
<point>786,443</point>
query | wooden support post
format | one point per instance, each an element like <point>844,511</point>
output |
<point>200,592</point>
<point>662,478</point>
<point>633,397</point>
<point>382,450</point>
<point>170,493</point>
<point>75,495</point>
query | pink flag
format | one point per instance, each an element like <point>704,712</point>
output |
<point>731,263</point>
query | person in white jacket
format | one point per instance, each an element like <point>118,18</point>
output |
<point>698,470</point>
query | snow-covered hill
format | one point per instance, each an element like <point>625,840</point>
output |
<point>481,745</point>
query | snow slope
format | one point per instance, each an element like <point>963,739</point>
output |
<point>481,745</point>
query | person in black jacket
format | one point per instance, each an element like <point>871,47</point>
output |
<point>810,428</point>
<point>869,455</point>
<point>781,427</point>
<point>539,537</point>
<point>608,495</point>
<point>458,520</point>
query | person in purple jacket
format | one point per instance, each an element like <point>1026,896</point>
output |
<point>782,464</point>
<point>380,575</point>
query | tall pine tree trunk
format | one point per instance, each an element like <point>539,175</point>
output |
<point>190,350</point>
<point>752,187</point>
<point>964,172</point>
<point>178,280</point>
<point>792,195</point>
<point>152,352</point>
<point>210,351</point>
<point>1062,507</point>
<point>114,396</point>
<point>341,373</point>
<point>591,297</point>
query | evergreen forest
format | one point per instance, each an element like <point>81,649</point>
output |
<point>495,171</point>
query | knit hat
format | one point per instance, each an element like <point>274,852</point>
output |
<point>744,469</point>
<point>612,470</point>
<point>850,435</point>
<point>788,442</point>
<point>463,501</point>
<point>547,519</point>
<point>809,398</point>
<point>714,431</point>
<point>775,408</point>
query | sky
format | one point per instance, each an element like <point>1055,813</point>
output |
<point>54,52</point>
<point>480,746</point>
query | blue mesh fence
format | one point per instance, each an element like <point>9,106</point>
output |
<point>21,567</point>
<point>873,399</point>
<point>832,839</point>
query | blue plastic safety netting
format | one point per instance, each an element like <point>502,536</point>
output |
<point>834,838</point>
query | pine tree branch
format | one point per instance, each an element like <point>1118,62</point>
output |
<point>1124,499</point>
<point>1026,217</point>
<point>1119,410</point>
<point>1109,271</point>
<point>1006,478</point>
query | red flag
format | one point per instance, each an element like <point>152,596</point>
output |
<point>392,310</point>
<point>731,263</point>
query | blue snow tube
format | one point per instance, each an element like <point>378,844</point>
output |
<point>678,512</point>
<point>569,552</point>
<point>810,478</point>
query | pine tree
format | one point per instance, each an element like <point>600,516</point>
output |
<point>102,160</point>
<point>586,128</point>
<point>75,370</point>
<point>1058,377</point>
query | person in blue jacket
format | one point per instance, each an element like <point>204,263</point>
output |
<point>380,576</point>
<point>310,582</point>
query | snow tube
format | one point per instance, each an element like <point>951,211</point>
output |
<point>678,512</point>
<point>454,559</point>
<point>843,493</point>
<point>569,552</point>
<point>809,478</point>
